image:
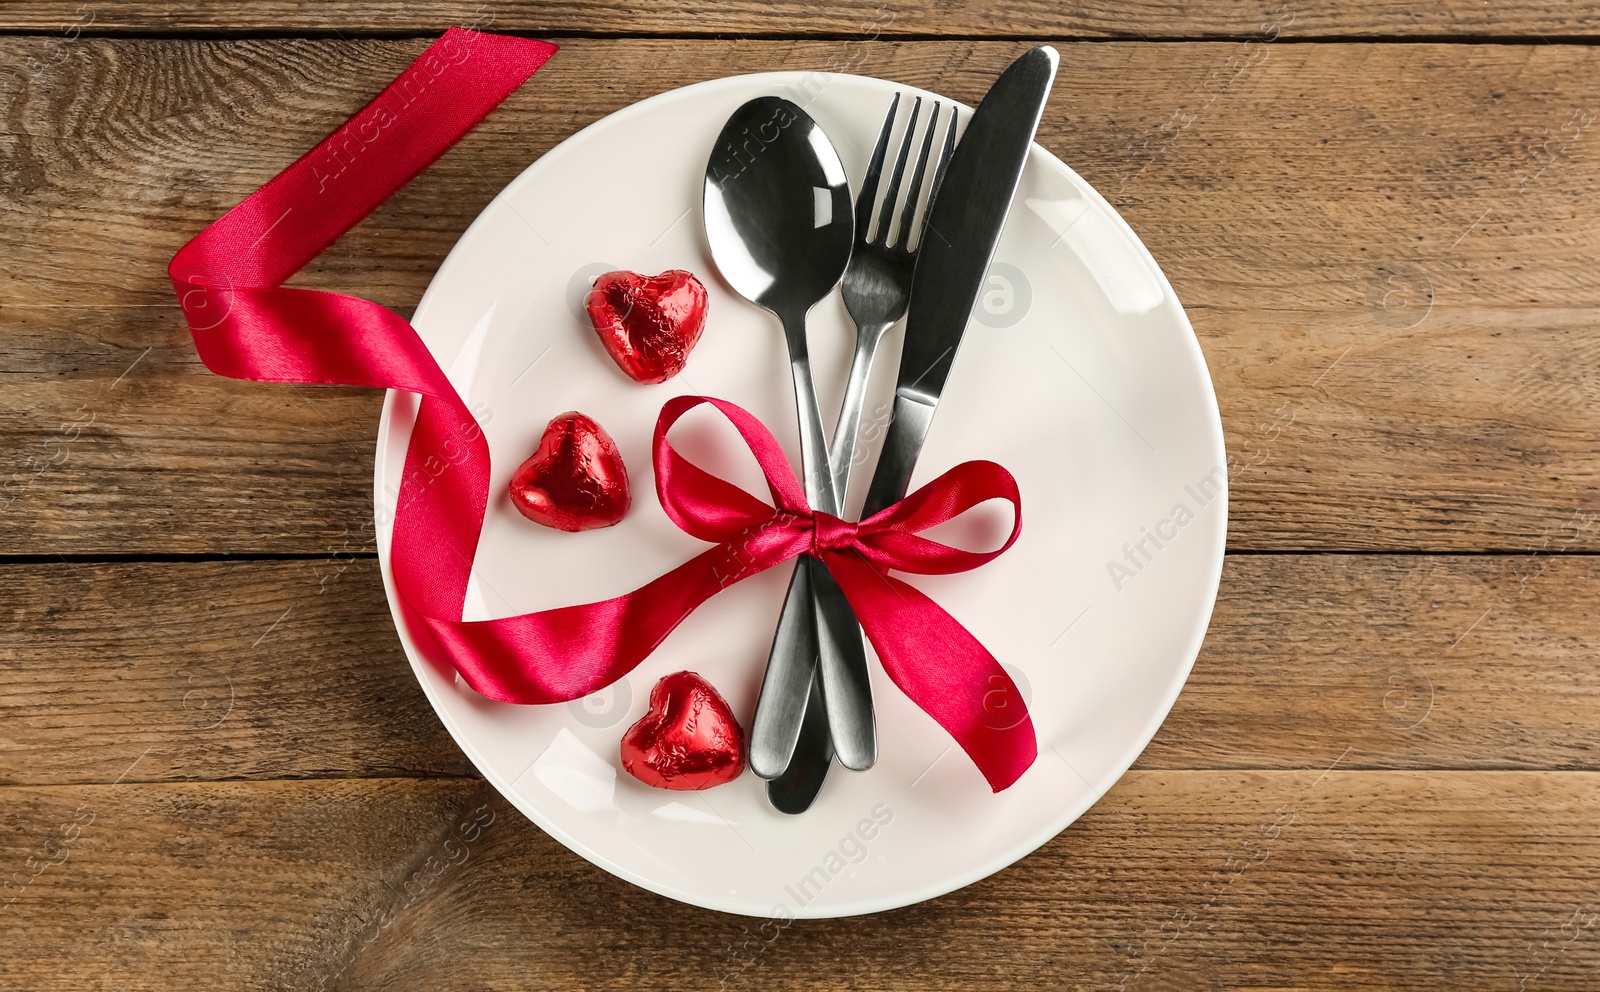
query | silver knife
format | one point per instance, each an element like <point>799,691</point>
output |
<point>967,212</point>
<point>964,226</point>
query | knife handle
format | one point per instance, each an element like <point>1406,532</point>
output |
<point>796,789</point>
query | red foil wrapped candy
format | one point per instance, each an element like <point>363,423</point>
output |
<point>648,324</point>
<point>688,740</point>
<point>576,480</point>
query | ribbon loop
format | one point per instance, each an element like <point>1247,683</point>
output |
<point>711,508</point>
<point>714,509</point>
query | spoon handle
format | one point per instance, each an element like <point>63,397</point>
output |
<point>818,476</point>
<point>824,639</point>
<point>842,661</point>
<point>841,653</point>
<point>781,707</point>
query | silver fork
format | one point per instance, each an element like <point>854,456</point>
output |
<point>876,289</point>
<point>877,283</point>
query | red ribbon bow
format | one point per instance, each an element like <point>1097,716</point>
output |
<point>932,658</point>
<point>246,325</point>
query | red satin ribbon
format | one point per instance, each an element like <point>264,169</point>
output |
<point>247,326</point>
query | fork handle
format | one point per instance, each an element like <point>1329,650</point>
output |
<point>841,659</point>
<point>841,650</point>
<point>842,456</point>
<point>842,667</point>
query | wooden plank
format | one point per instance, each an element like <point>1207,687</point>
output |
<point>1406,661</point>
<point>120,441</point>
<point>1302,880</point>
<point>1287,183</point>
<point>213,670</point>
<point>256,882</point>
<point>1475,429</point>
<point>292,669</point>
<point>865,19</point>
<point>1392,282</point>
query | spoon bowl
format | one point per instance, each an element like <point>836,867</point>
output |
<point>778,214</point>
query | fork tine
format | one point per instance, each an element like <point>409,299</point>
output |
<point>893,192</point>
<point>902,236</point>
<point>938,175</point>
<point>869,185</point>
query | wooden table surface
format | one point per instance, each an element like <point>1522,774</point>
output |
<point>1381,219</point>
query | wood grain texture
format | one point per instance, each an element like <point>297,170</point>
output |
<point>293,669</point>
<point>119,441</point>
<point>1380,775</point>
<point>212,670</point>
<point>1176,880</point>
<point>1284,180</point>
<point>1393,282</point>
<point>1141,19</point>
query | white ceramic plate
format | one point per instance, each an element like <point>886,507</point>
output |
<point>1079,373</point>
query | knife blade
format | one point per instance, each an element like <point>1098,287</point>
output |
<point>965,220</point>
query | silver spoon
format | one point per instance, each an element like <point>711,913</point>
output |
<point>780,224</point>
